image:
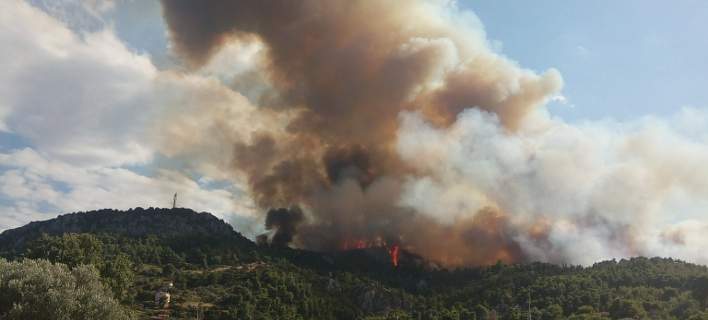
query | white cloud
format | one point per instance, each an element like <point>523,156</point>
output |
<point>582,51</point>
<point>89,108</point>
<point>561,99</point>
<point>77,98</point>
<point>41,188</point>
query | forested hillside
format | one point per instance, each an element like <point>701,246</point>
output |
<point>218,274</point>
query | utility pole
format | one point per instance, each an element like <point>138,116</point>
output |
<point>174,201</point>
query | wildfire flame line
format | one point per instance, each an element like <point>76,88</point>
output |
<point>393,251</point>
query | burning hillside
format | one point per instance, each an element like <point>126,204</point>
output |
<point>345,84</point>
<point>396,125</point>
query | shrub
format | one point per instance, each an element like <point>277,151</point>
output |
<point>39,289</point>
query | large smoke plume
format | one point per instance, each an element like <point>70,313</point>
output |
<point>397,122</point>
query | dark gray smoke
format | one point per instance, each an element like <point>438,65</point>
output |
<point>342,72</point>
<point>284,222</point>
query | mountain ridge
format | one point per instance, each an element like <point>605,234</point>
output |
<point>135,222</point>
<point>219,274</point>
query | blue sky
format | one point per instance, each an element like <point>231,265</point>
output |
<point>619,59</point>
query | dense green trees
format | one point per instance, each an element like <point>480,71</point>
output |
<point>251,285</point>
<point>223,277</point>
<point>115,267</point>
<point>38,289</point>
<point>118,274</point>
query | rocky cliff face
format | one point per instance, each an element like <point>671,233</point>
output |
<point>138,222</point>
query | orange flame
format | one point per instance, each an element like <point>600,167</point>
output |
<point>356,244</point>
<point>393,251</point>
<point>361,244</point>
<point>394,255</point>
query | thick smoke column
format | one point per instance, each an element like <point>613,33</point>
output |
<point>284,222</point>
<point>343,71</point>
<point>400,123</point>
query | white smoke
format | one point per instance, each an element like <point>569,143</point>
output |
<point>575,193</point>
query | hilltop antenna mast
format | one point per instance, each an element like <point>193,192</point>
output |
<point>174,201</point>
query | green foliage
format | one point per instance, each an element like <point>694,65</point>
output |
<point>38,289</point>
<point>553,312</point>
<point>392,315</point>
<point>218,275</point>
<point>69,249</point>
<point>119,276</point>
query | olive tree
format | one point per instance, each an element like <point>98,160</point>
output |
<point>39,289</point>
